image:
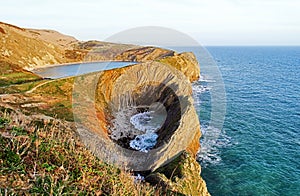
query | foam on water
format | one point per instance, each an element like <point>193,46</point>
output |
<point>144,121</point>
<point>198,89</point>
<point>205,79</point>
<point>212,138</point>
<point>149,123</point>
<point>211,141</point>
<point>144,142</point>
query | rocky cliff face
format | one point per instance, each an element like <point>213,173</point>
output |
<point>144,54</point>
<point>185,62</point>
<point>103,103</point>
<point>181,176</point>
<point>121,93</point>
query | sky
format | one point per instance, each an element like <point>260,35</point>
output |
<point>210,22</point>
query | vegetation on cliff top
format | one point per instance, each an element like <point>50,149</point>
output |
<point>13,74</point>
<point>47,158</point>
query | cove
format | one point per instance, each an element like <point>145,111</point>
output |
<point>62,71</point>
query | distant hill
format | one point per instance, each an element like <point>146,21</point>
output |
<point>30,48</point>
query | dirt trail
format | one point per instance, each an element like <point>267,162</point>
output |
<point>39,85</point>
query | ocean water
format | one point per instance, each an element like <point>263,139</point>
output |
<point>257,150</point>
<point>148,123</point>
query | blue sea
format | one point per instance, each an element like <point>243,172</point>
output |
<point>257,149</point>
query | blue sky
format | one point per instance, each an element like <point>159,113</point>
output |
<point>210,22</point>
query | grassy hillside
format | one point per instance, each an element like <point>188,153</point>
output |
<point>45,157</point>
<point>13,74</point>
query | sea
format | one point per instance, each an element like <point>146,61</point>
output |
<point>255,150</point>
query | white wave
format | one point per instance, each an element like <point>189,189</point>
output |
<point>212,141</point>
<point>198,89</point>
<point>205,79</point>
<point>149,123</point>
<point>144,142</point>
<point>144,121</point>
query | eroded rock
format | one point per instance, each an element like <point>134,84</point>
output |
<point>135,86</point>
<point>144,54</point>
<point>186,62</point>
<point>181,176</point>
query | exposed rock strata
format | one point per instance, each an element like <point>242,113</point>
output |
<point>181,176</point>
<point>129,87</point>
<point>144,54</point>
<point>186,62</point>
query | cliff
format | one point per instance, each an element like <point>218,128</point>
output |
<point>121,93</point>
<point>186,62</point>
<point>117,95</point>
<point>101,103</point>
<point>181,176</point>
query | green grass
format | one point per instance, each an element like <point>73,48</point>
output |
<point>58,88</point>
<point>20,88</point>
<point>17,78</point>
<point>61,110</point>
<point>3,121</point>
<point>61,91</point>
<point>11,74</point>
<point>52,161</point>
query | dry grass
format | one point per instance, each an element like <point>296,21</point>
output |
<point>46,158</point>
